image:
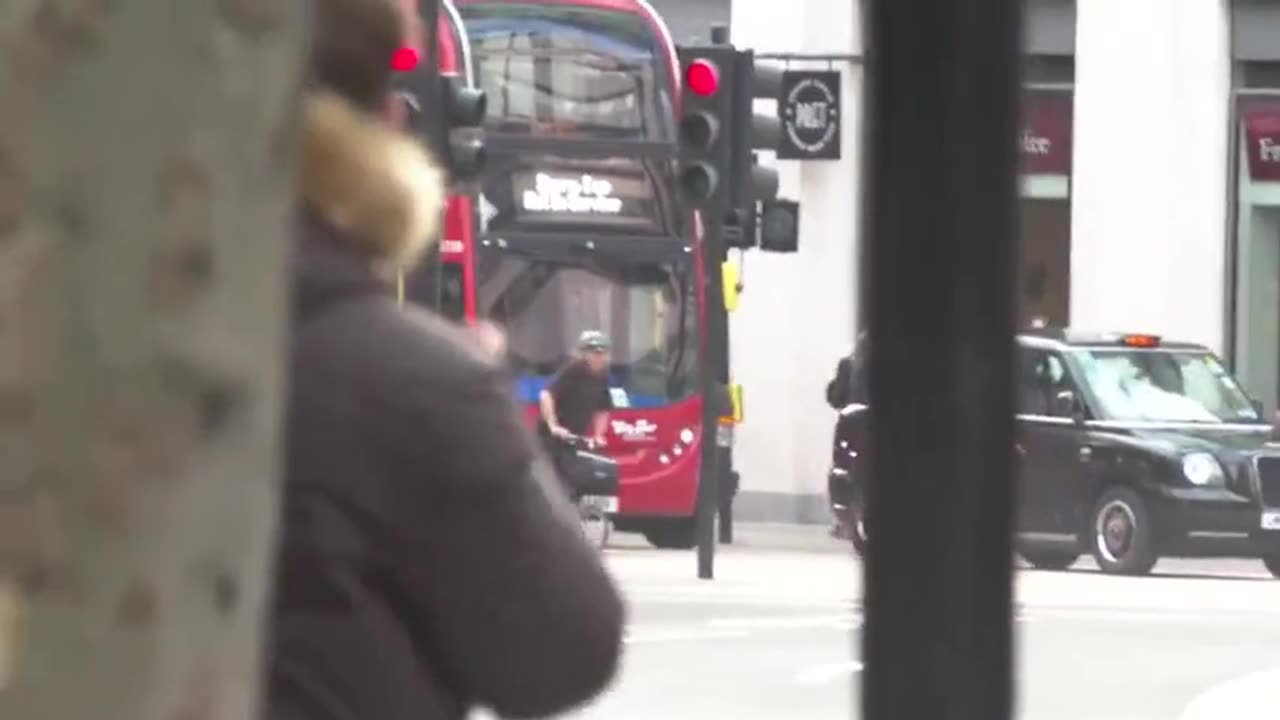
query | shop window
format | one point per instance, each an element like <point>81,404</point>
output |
<point>1044,273</point>
<point>1257,256</point>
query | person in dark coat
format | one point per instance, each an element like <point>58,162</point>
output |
<point>428,563</point>
<point>846,387</point>
<point>838,387</point>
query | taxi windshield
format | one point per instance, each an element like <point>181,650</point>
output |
<point>1163,386</point>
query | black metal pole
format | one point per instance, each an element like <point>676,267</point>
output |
<point>727,482</point>
<point>429,14</point>
<point>714,381</point>
<point>938,226</point>
<point>422,283</point>
<point>718,355</point>
<point>728,488</point>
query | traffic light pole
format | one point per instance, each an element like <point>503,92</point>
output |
<point>719,355</point>
<point>715,381</point>
<point>706,170</point>
<point>727,489</point>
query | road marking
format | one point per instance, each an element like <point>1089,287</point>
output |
<point>679,598</point>
<point>1150,615</point>
<point>829,595</point>
<point>787,622</point>
<point>647,636</point>
<point>826,672</point>
<point>736,627</point>
<point>1251,697</point>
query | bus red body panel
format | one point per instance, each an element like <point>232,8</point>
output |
<point>657,451</point>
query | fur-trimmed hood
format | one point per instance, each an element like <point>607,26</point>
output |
<point>379,189</point>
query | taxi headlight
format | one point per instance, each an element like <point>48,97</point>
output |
<point>1201,469</point>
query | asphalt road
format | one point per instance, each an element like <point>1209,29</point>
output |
<point>776,635</point>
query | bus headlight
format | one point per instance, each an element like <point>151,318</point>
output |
<point>1201,469</point>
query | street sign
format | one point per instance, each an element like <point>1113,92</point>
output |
<point>809,107</point>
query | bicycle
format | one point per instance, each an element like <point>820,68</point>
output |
<point>593,482</point>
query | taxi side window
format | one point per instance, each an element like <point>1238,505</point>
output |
<point>1042,375</point>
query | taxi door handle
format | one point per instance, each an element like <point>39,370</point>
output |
<point>1086,454</point>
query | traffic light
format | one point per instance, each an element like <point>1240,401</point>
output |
<point>444,111</point>
<point>780,226</point>
<point>465,108</point>
<point>753,183</point>
<point>706,152</point>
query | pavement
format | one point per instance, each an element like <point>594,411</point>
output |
<point>777,635</point>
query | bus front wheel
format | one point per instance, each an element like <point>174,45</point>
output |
<point>677,534</point>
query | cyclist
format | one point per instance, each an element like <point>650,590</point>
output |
<point>576,403</point>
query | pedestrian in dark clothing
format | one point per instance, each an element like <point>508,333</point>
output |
<point>838,387</point>
<point>846,388</point>
<point>426,563</point>
<point>848,385</point>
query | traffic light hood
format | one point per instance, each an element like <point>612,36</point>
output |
<point>380,188</point>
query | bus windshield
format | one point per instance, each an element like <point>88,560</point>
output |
<point>552,69</point>
<point>648,310</point>
<point>1164,386</point>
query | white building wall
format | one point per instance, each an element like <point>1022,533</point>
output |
<point>1149,212</point>
<point>1149,205</point>
<point>796,314</point>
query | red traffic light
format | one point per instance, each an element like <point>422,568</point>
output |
<point>702,77</point>
<point>404,59</point>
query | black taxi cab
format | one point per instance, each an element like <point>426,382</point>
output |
<point>1129,448</point>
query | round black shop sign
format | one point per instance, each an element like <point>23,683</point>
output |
<point>811,116</point>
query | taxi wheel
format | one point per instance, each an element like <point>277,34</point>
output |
<point>858,535</point>
<point>856,519</point>
<point>1050,559</point>
<point>1120,533</point>
<point>1273,564</point>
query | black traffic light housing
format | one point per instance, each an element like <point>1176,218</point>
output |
<point>752,183</point>
<point>780,226</point>
<point>706,124</point>
<point>448,115</point>
<point>464,111</point>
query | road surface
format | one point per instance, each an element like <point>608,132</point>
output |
<point>776,636</point>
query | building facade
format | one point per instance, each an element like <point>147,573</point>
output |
<point>1150,147</point>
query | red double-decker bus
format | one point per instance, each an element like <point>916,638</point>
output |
<point>578,225</point>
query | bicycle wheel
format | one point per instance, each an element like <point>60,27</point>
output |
<point>596,527</point>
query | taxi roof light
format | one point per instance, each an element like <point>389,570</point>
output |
<point>1140,341</point>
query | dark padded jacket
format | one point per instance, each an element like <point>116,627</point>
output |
<point>848,385</point>
<point>427,563</point>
